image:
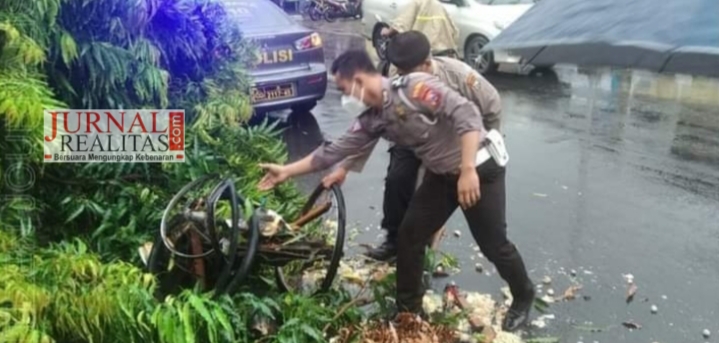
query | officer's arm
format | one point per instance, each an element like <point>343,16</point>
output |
<point>455,29</point>
<point>407,15</point>
<point>434,96</point>
<point>357,162</point>
<point>437,98</point>
<point>469,87</point>
<point>484,95</point>
<point>357,138</point>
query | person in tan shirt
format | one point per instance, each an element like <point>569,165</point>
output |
<point>431,18</point>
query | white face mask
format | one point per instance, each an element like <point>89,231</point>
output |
<point>353,105</point>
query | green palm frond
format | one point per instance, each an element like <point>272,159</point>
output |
<point>23,97</point>
<point>18,49</point>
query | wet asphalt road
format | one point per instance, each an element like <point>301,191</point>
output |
<point>611,173</point>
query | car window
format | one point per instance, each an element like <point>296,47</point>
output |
<point>506,2</point>
<point>256,13</point>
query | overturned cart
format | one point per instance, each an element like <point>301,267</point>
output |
<point>213,238</point>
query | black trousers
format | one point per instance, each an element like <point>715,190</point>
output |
<point>399,188</point>
<point>433,203</point>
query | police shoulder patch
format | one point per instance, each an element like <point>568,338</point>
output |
<point>426,95</point>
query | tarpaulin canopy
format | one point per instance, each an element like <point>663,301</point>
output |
<point>674,36</point>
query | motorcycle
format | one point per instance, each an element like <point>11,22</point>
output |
<point>315,9</point>
<point>343,9</point>
<point>380,44</point>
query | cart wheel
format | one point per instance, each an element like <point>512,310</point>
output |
<point>318,275</point>
<point>247,256</point>
<point>175,273</point>
<point>224,236</point>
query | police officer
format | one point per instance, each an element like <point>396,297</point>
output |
<point>445,130</point>
<point>410,52</point>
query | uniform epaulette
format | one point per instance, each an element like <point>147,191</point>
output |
<point>399,81</point>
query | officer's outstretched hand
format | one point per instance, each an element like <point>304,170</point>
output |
<point>275,175</point>
<point>336,177</point>
<point>468,188</point>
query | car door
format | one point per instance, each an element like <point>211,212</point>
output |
<point>395,6</point>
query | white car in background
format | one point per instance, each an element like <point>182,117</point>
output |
<point>479,21</point>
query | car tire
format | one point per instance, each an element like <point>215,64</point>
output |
<point>471,52</point>
<point>303,107</point>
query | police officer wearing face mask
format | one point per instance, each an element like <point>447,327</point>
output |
<point>446,132</point>
<point>410,52</point>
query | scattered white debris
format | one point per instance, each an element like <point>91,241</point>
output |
<point>588,272</point>
<point>541,195</point>
<point>573,272</point>
<point>476,249</point>
<point>547,280</point>
<point>706,333</point>
<point>547,299</point>
<point>550,292</point>
<point>457,233</point>
<point>541,321</point>
<point>432,303</point>
<point>664,297</point>
<point>629,278</point>
<point>478,267</point>
<point>565,188</point>
<point>654,309</point>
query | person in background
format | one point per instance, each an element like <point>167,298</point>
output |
<point>410,52</point>
<point>446,131</point>
<point>431,18</point>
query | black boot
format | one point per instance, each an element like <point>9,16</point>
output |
<point>385,252</point>
<point>511,267</point>
<point>518,313</point>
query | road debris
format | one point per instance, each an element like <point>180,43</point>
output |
<point>629,278</point>
<point>706,333</point>
<point>573,273</point>
<point>541,321</point>
<point>654,309</point>
<point>540,195</point>
<point>631,291</point>
<point>550,292</point>
<point>440,272</point>
<point>547,299</point>
<point>478,267</point>
<point>632,325</point>
<point>571,292</point>
<point>457,233</point>
<point>547,280</point>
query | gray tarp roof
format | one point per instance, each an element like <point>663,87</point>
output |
<point>679,36</point>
